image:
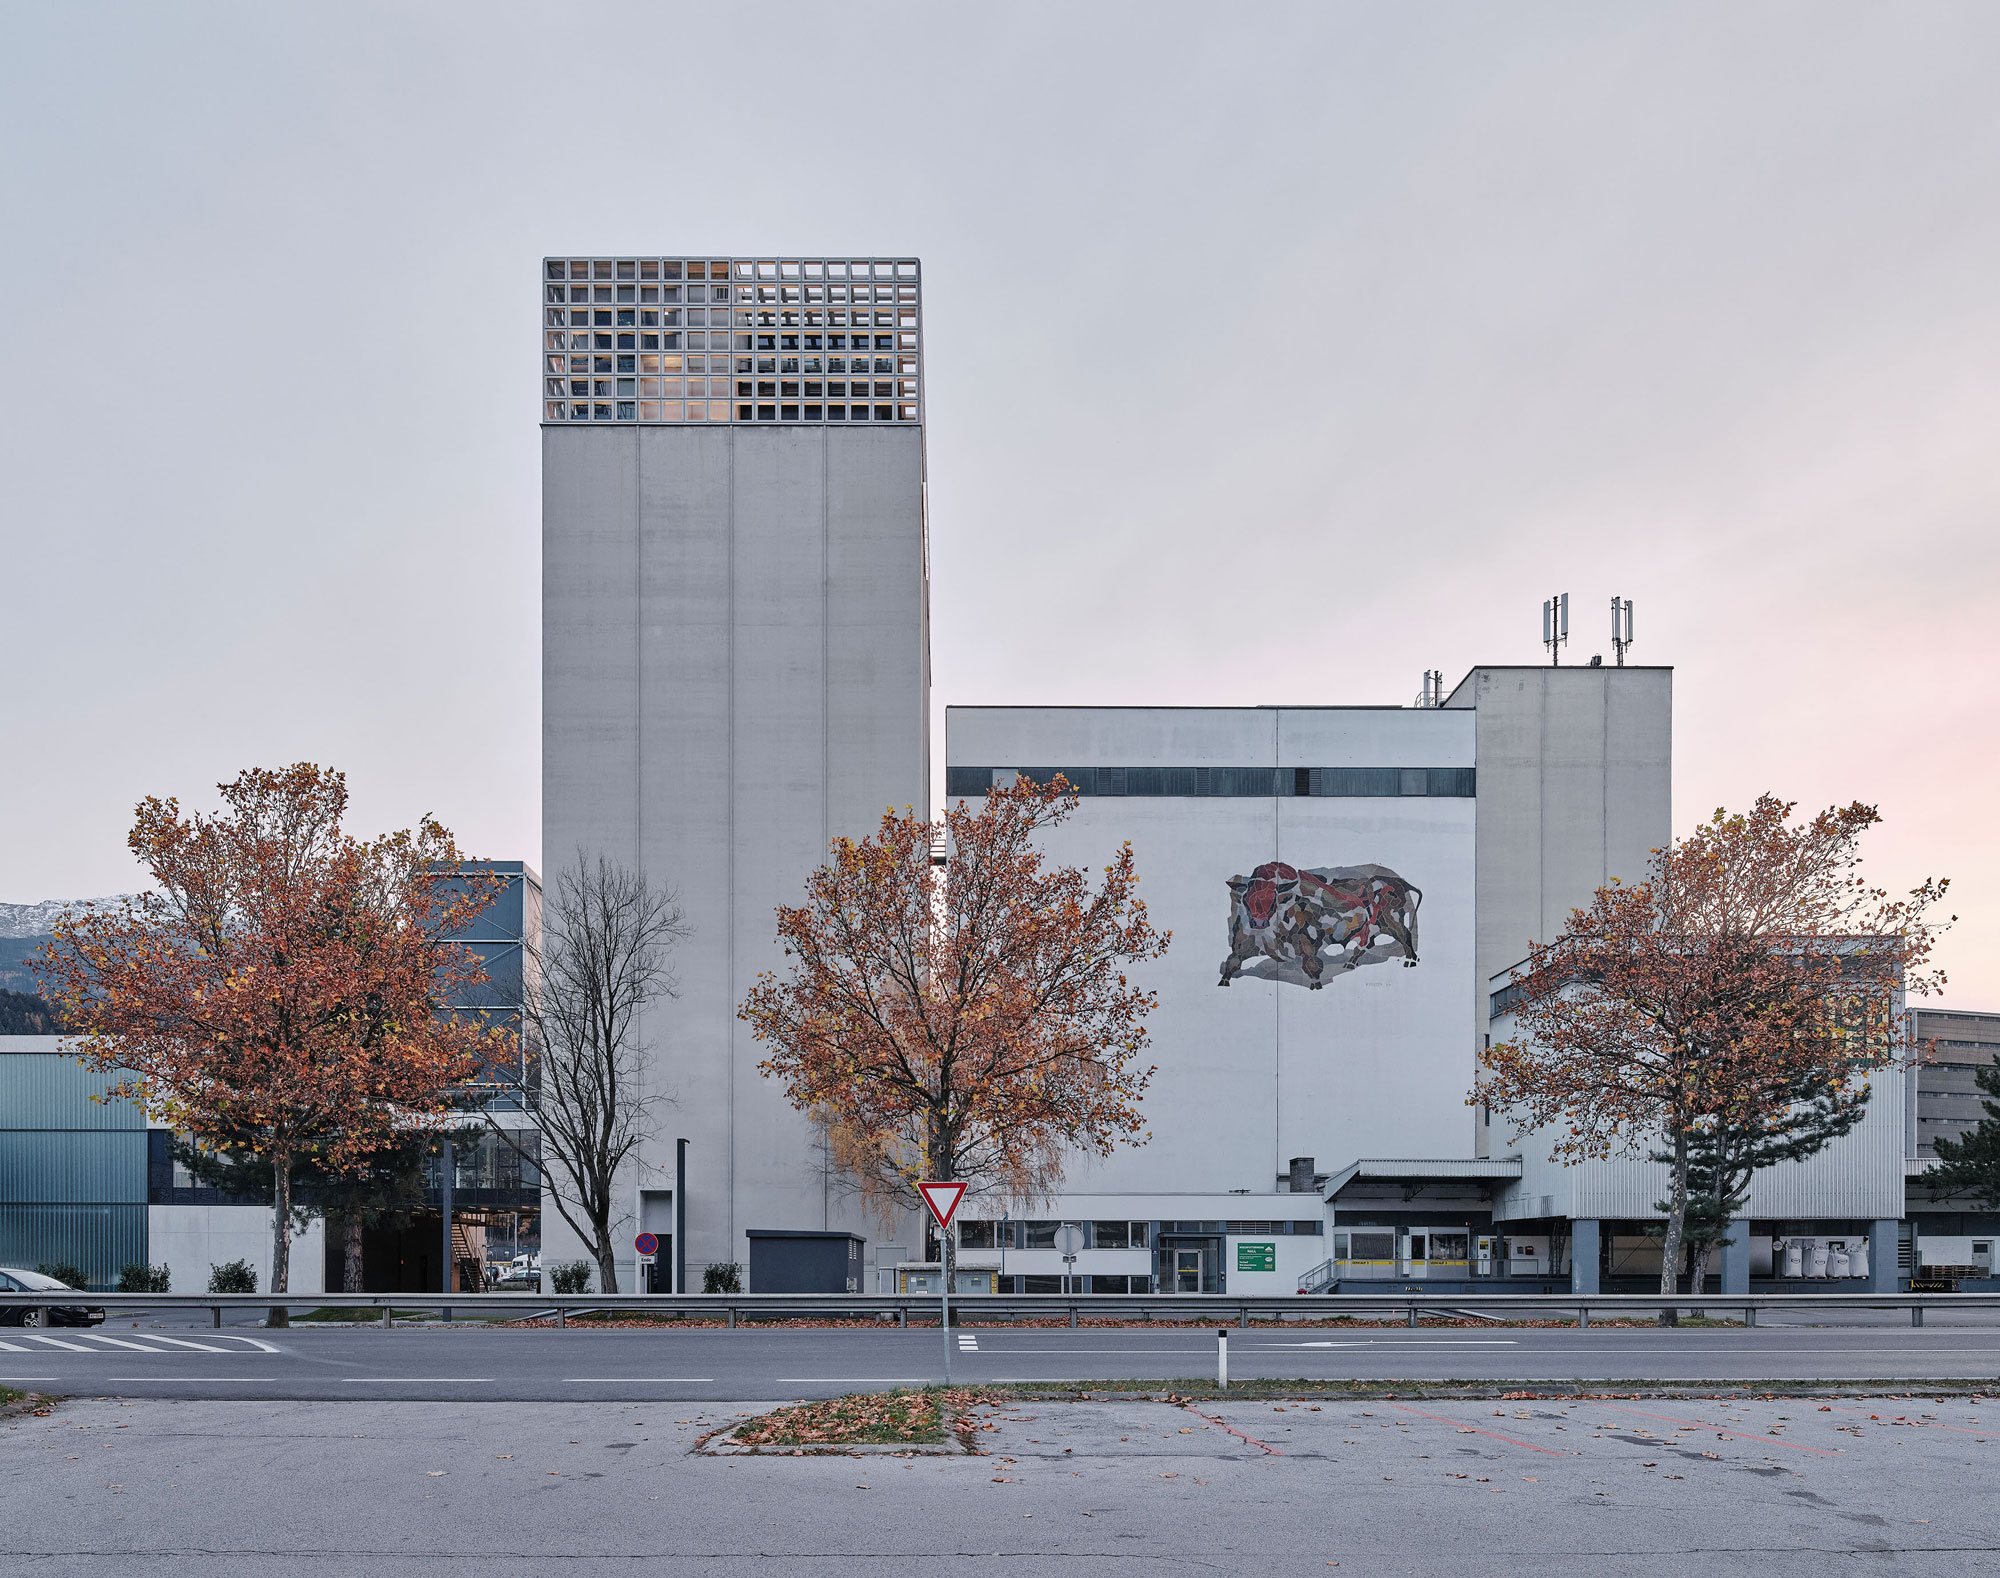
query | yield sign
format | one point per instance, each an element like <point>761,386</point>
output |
<point>943,1200</point>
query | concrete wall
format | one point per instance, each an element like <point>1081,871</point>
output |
<point>1379,1060</point>
<point>1858,1176</point>
<point>735,672</point>
<point>1575,781</point>
<point>190,1239</point>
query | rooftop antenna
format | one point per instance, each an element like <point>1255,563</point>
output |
<point>1555,626</point>
<point>1431,694</point>
<point>1621,627</point>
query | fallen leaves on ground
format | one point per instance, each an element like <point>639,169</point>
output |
<point>900,1415</point>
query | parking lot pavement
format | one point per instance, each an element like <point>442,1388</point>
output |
<point>1597,1487</point>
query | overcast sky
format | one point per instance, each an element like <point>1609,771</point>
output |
<point>1275,353</point>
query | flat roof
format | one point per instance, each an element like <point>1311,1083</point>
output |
<point>1494,1169</point>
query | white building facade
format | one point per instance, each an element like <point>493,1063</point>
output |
<point>735,655</point>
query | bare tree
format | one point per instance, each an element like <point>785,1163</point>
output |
<point>601,958</point>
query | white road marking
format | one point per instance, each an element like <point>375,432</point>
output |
<point>206,1380</point>
<point>182,1342</point>
<point>854,1380</point>
<point>9,1347</point>
<point>423,1380</point>
<point>121,1342</point>
<point>1414,1342</point>
<point>639,1380</point>
<point>57,1342</point>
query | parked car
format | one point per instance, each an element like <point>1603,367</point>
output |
<point>13,1281</point>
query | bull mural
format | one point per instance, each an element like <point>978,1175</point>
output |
<point>1316,922</point>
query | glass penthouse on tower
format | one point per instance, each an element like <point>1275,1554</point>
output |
<point>652,339</point>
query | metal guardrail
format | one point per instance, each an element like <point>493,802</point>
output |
<point>1204,1309</point>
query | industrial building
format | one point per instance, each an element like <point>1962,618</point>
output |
<point>736,673</point>
<point>735,654</point>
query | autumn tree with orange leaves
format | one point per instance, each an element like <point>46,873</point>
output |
<point>281,991</point>
<point>1751,976</point>
<point>967,1020</point>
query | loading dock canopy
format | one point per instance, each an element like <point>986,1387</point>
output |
<point>1420,1173</point>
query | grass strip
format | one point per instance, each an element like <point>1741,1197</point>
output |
<point>1193,1390</point>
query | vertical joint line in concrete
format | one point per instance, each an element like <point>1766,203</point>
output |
<point>730,908</point>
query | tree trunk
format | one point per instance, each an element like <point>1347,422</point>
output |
<point>607,1268</point>
<point>1670,1251</point>
<point>350,1233</point>
<point>281,1236</point>
<point>1698,1281</point>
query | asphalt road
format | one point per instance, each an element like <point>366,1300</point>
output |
<point>479,1363</point>
<point>1602,1489</point>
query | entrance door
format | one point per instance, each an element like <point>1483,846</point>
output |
<point>1187,1271</point>
<point>659,1276</point>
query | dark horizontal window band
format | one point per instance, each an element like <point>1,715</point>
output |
<point>1235,782</point>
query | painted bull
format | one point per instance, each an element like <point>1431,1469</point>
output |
<point>1318,921</point>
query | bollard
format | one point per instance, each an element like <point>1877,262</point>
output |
<point>1245,1321</point>
<point>903,1317</point>
<point>1222,1358</point>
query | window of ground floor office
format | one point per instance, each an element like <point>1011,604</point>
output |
<point>1011,1234</point>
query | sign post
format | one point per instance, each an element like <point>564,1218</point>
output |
<point>942,1200</point>
<point>1069,1239</point>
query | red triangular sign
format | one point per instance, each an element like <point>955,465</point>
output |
<point>943,1200</point>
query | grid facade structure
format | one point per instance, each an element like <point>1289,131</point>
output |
<point>653,340</point>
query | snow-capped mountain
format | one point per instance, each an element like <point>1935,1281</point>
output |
<point>39,920</point>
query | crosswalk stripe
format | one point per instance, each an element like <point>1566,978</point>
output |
<point>121,1342</point>
<point>57,1342</point>
<point>12,1347</point>
<point>203,1347</point>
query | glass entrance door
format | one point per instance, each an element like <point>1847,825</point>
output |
<point>1187,1271</point>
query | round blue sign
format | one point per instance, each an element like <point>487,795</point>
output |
<point>647,1244</point>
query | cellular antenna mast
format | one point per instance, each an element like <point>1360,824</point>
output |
<point>1432,693</point>
<point>1621,627</point>
<point>1555,626</point>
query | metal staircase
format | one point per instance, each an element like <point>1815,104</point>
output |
<point>1319,1279</point>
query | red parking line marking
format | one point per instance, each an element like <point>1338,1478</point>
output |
<point>1233,1430</point>
<point>1696,1424</point>
<point>1496,1435</point>
<point>1928,1424</point>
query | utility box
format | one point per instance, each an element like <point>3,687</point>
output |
<point>785,1261</point>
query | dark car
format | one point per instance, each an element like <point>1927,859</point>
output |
<point>13,1281</point>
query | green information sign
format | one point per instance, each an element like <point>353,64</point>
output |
<point>1256,1257</point>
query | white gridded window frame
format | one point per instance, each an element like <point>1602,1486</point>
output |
<point>624,391</point>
